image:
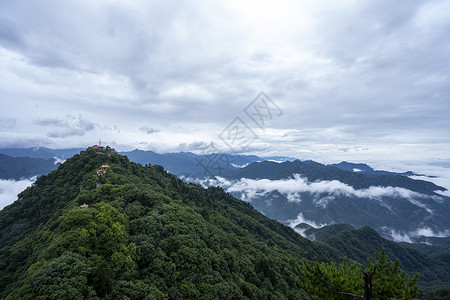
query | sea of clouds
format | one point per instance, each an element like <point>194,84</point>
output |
<point>10,188</point>
<point>292,187</point>
<point>249,189</point>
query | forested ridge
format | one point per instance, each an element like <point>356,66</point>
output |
<point>148,235</point>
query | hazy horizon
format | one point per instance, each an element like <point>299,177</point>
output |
<point>357,81</point>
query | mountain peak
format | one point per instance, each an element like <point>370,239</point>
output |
<point>142,228</point>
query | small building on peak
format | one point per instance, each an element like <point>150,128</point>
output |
<point>103,150</point>
<point>98,148</point>
<point>84,206</point>
<point>102,170</point>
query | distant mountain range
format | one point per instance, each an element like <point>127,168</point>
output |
<point>397,206</point>
<point>315,171</point>
<point>183,163</point>
<point>292,192</point>
<point>180,164</point>
<point>24,167</point>
<point>41,152</point>
<point>190,164</point>
<point>367,170</point>
<point>135,231</point>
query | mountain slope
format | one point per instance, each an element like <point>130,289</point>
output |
<point>145,233</point>
<point>191,241</point>
<point>24,167</point>
<point>318,234</point>
<point>357,242</point>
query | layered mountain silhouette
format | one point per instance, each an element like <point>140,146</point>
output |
<point>101,226</point>
<point>397,206</point>
<point>394,205</point>
<point>180,163</point>
<point>24,167</point>
<point>368,170</point>
<point>41,152</point>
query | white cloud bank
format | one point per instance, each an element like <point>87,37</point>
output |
<point>419,232</point>
<point>10,188</point>
<point>326,191</point>
<point>435,171</point>
<point>291,187</point>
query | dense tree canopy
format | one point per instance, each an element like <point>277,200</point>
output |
<point>380,280</point>
<point>145,235</point>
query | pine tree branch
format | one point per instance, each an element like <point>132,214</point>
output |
<point>350,294</point>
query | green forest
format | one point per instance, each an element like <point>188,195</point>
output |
<point>138,232</point>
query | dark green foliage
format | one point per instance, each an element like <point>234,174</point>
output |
<point>329,281</point>
<point>435,292</point>
<point>318,234</point>
<point>357,245</point>
<point>81,257</point>
<point>145,235</point>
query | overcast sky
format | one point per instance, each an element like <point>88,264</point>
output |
<point>346,80</point>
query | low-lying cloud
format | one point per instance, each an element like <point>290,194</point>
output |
<point>413,236</point>
<point>326,191</point>
<point>10,188</point>
<point>292,187</point>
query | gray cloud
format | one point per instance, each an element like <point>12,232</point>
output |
<point>8,123</point>
<point>70,126</point>
<point>195,146</point>
<point>9,36</point>
<point>149,130</point>
<point>367,73</point>
<point>17,140</point>
<point>51,122</point>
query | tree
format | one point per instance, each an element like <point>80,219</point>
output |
<point>380,280</point>
<point>64,277</point>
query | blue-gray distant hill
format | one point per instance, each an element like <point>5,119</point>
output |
<point>404,205</point>
<point>368,170</point>
<point>24,167</point>
<point>136,231</point>
<point>192,165</point>
<point>41,152</point>
<point>181,163</point>
<point>315,171</point>
<point>391,204</point>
